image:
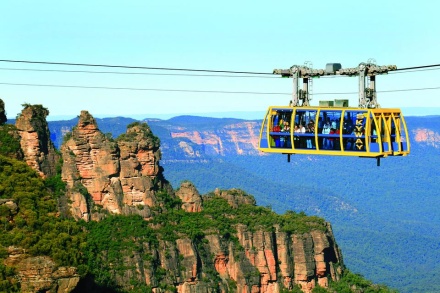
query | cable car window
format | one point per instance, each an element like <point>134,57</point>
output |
<point>305,129</point>
<point>329,125</point>
<point>280,132</point>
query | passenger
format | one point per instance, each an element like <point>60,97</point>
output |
<point>326,130</point>
<point>311,130</point>
<point>302,141</point>
<point>276,128</point>
<point>331,139</point>
<point>281,124</point>
<point>297,130</point>
<point>287,140</point>
<point>351,145</point>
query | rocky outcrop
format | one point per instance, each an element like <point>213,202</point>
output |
<point>40,274</point>
<point>191,199</point>
<point>10,205</point>
<point>39,151</point>
<point>235,197</point>
<point>105,175</point>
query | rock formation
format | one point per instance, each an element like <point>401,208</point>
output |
<point>40,274</point>
<point>190,197</point>
<point>123,176</point>
<point>260,260</point>
<point>39,151</point>
<point>120,177</point>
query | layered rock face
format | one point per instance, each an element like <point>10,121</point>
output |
<point>190,197</point>
<point>39,151</point>
<point>40,273</point>
<point>232,139</point>
<point>120,177</point>
<point>259,261</point>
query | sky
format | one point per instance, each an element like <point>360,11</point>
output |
<point>250,36</point>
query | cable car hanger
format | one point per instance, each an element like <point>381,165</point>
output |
<point>367,95</point>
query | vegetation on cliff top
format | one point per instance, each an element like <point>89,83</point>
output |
<point>136,129</point>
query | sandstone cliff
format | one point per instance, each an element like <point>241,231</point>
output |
<point>104,175</point>
<point>39,151</point>
<point>199,246</point>
<point>251,257</point>
<point>40,273</point>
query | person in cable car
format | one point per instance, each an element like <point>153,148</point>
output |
<point>296,138</point>
<point>331,139</point>
<point>302,140</point>
<point>310,129</point>
<point>326,130</point>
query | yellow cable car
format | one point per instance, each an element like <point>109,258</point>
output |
<point>338,130</point>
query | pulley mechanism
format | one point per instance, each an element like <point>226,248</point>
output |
<point>367,81</point>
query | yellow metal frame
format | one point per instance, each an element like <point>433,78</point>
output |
<point>385,142</point>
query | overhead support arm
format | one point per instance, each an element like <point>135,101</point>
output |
<point>367,81</point>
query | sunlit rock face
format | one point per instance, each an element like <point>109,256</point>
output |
<point>39,151</point>
<point>239,138</point>
<point>257,260</point>
<point>40,273</point>
<point>191,198</point>
<point>119,176</point>
<point>427,136</point>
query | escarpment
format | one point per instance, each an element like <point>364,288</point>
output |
<point>230,245</point>
<point>104,175</point>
